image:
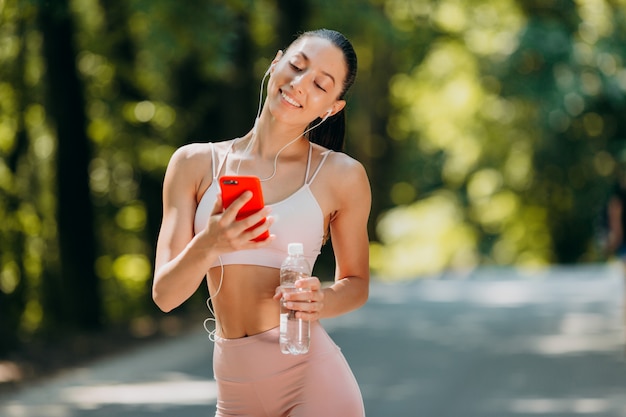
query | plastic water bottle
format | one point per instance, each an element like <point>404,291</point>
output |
<point>295,333</point>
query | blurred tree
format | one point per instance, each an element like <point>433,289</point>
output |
<point>381,52</point>
<point>572,63</point>
<point>13,284</point>
<point>292,19</point>
<point>491,131</point>
<point>513,111</point>
<point>74,299</point>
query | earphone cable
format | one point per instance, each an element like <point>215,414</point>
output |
<point>253,137</point>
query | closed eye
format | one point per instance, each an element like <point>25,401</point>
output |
<point>298,69</point>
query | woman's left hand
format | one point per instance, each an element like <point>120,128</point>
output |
<point>308,301</point>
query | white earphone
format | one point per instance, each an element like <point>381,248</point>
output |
<point>327,114</point>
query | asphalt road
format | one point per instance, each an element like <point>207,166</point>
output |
<point>493,343</point>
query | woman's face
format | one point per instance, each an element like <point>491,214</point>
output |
<point>306,81</point>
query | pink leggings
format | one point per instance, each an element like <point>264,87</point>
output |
<point>255,379</point>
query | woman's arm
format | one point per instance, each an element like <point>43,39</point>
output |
<point>348,231</point>
<point>350,240</point>
<point>182,259</point>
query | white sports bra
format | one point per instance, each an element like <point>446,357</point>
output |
<point>297,218</point>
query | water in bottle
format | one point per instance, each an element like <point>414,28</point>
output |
<point>295,333</point>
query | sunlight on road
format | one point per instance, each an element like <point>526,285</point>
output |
<point>154,380</point>
<point>499,343</point>
<point>161,394</point>
<point>571,406</point>
<point>170,392</point>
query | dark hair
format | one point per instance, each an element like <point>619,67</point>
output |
<point>330,134</point>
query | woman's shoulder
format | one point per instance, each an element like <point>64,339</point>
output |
<point>197,153</point>
<point>340,163</point>
<point>200,150</point>
<point>192,164</point>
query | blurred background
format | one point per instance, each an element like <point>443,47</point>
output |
<point>493,132</point>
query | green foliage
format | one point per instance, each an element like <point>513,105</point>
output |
<point>516,106</point>
<point>491,129</point>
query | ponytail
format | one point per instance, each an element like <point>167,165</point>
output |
<point>331,133</point>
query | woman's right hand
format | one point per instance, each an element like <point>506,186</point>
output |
<point>227,234</point>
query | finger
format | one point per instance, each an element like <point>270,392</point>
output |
<point>258,228</point>
<point>303,306</point>
<point>304,297</point>
<point>305,311</point>
<point>278,293</point>
<point>251,221</point>
<point>311,283</point>
<point>230,214</point>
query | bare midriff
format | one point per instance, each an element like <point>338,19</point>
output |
<point>244,305</point>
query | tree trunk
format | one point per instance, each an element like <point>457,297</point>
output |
<point>237,98</point>
<point>79,304</point>
<point>292,19</point>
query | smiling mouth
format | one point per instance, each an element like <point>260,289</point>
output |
<point>289,99</point>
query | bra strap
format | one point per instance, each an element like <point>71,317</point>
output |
<point>308,164</point>
<point>213,161</point>
<point>325,155</point>
<point>216,172</point>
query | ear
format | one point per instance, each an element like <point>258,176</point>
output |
<point>277,58</point>
<point>336,108</point>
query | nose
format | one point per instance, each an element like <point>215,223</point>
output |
<point>298,82</point>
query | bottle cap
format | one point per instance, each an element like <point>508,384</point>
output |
<point>295,249</point>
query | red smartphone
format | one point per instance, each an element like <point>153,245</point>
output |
<point>233,186</point>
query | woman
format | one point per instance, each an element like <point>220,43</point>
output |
<point>312,193</point>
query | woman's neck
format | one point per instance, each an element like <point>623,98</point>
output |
<point>271,136</point>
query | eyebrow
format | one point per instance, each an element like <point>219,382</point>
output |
<point>306,58</point>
